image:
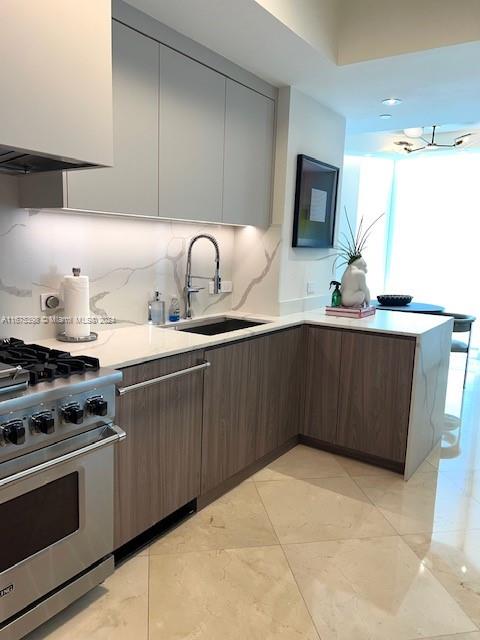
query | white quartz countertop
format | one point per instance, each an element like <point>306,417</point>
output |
<point>128,345</point>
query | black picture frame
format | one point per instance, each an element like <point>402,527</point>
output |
<point>314,215</point>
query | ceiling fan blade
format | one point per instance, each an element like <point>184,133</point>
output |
<point>464,135</point>
<point>417,149</point>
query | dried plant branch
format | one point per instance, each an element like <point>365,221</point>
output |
<point>350,248</point>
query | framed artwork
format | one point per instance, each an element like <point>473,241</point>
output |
<point>315,203</point>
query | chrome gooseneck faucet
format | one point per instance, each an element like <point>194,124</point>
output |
<point>188,289</point>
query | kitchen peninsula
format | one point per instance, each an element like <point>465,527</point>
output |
<point>373,389</point>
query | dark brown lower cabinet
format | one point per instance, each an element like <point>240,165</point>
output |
<point>347,390</point>
<point>280,376</point>
<point>323,357</point>
<point>157,467</point>
<point>358,390</point>
<point>251,402</point>
<point>375,390</point>
<point>230,410</point>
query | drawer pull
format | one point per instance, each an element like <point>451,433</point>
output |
<point>121,391</point>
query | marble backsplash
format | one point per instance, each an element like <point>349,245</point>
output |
<point>127,260</point>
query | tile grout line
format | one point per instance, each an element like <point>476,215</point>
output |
<point>300,591</point>
<point>442,586</point>
<point>288,564</point>
<point>452,485</point>
<point>266,512</point>
<point>169,554</point>
<point>302,479</point>
<point>375,506</point>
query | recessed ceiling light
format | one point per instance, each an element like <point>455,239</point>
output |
<point>391,102</point>
<point>385,116</point>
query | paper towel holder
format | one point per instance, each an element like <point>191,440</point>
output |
<point>64,338</point>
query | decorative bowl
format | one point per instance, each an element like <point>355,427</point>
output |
<point>394,300</point>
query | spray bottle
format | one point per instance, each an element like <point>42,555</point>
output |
<point>336,295</point>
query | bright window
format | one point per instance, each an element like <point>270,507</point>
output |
<point>428,244</point>
<point>434,244</point>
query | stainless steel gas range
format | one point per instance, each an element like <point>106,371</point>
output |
<point>57,438</point>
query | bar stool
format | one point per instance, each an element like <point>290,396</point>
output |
<point>461,324</point>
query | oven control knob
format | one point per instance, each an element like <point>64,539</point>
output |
<point>73,413</point>
<point>43,422</point>
<point>14,432</point>
<point>97,406</point>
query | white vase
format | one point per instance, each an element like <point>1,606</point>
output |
<point>355,292</point>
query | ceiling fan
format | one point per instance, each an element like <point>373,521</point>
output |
<point>430,145</point>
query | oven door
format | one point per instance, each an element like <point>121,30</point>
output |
<point>56,516</point>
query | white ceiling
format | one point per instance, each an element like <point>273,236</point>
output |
<point>437,85</point>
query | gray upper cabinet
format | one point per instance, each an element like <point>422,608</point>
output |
<point>189,144</point>
<point>192,114</point>
<point>249,127</point>
<point>131,186</point>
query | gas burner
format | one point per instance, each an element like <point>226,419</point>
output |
<point>44,364</point>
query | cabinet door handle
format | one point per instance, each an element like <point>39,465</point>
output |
<point>121,391</point>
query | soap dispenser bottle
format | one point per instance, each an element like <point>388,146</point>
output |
<point>336,295</point>
<point>157,309</point>
<point>174,311</point>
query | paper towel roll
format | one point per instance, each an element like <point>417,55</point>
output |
<point>76,298</point>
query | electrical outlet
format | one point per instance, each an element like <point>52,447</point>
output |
<point>50,301</point>
<point>311,288</point>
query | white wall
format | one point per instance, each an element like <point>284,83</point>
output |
<point>305,126</point>
<point>371,29</point>
<point>315,21</point>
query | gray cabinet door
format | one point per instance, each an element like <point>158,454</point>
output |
<point>131,186</point>
<point>249,127</point>
<point>192,121</point>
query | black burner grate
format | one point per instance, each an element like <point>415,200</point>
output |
<point>43,363</point>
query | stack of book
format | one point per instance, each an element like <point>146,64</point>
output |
<point>350,312</point>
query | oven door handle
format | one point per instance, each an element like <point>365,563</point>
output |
<point>112,434</point>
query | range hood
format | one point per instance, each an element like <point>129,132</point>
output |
<point>16,161</point>
<point>56,106</point>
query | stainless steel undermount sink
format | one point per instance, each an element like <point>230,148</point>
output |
<point>214,326</point>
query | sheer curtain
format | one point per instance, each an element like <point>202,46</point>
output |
<point>433,247</point>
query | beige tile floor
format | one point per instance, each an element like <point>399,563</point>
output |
<point>313,547</point>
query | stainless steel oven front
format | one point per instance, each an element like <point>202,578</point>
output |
<point>56,517</point>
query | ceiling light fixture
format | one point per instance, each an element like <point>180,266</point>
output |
<point>391,102</point>
<point>385,116</point>
<point>413,132</point>
<point>431,145</point>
